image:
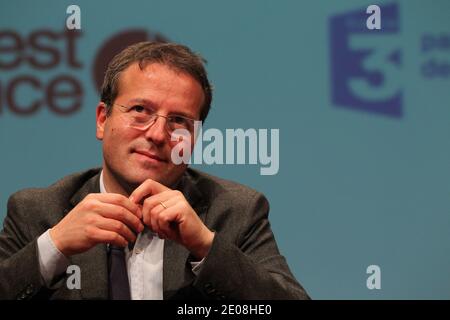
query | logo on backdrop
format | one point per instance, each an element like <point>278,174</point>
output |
<point>42,69</point>
<point>114,45</point>
<point>366,62</point>
<point>39,70</point>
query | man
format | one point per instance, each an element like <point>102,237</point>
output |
<point>178,233</point>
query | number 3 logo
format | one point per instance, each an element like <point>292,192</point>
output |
<point>381,64</point>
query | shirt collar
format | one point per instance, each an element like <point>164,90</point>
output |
<point>102,184</point>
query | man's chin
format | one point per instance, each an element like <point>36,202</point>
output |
<point>139,178</point>
<point>166,177</point>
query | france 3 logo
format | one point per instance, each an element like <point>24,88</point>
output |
<point>366,63</point>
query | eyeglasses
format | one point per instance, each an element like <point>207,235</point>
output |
<point>142,118</point>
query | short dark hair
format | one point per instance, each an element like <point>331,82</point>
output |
<point>175,56</point>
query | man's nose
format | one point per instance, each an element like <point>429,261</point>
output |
<point>157,131</point>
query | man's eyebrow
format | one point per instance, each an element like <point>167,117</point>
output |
<point>143,101</point>
<point>151,104</point>
<point>183,114</point>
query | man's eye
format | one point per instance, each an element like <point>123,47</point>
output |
<point>137,109</point>
<point>178,120</point>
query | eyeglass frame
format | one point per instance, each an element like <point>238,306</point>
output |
<point>146,127</point>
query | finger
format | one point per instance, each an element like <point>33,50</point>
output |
<point>151,218</point>
<point>153,203</point>
<point>155,221</point>
<point>170,202</point>
<point>158,216</point>
<point>119,200</point>
<point>168,222</point>
<point>163,223</point>
<point>117,227</point>
<point>105,236</point>
<point>146,217</point>
<point>154,216</point>
<point>163,198</point>
<point>148,187</point>
<point>121,214</point>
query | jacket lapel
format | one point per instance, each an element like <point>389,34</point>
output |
<point>92,263</point>
<point>177,271</point>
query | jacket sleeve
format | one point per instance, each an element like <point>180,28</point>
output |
<point>20,276</point>
<point>252,268</point>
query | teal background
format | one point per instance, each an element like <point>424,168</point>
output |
<point>353,189</point>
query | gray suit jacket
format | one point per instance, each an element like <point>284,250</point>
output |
<point>243,263</point>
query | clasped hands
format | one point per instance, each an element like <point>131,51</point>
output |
<point>116,219</point>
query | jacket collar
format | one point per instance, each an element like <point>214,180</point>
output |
<point>92,185</point>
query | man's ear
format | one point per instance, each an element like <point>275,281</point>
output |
<point>101,120</point>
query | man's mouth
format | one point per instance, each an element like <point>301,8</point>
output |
<point>150,155</point>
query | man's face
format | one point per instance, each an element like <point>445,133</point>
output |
<point>131,155</point>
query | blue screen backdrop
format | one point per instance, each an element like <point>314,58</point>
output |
<point>363,118</point>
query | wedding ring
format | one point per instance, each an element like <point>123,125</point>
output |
<point>161,203</point>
